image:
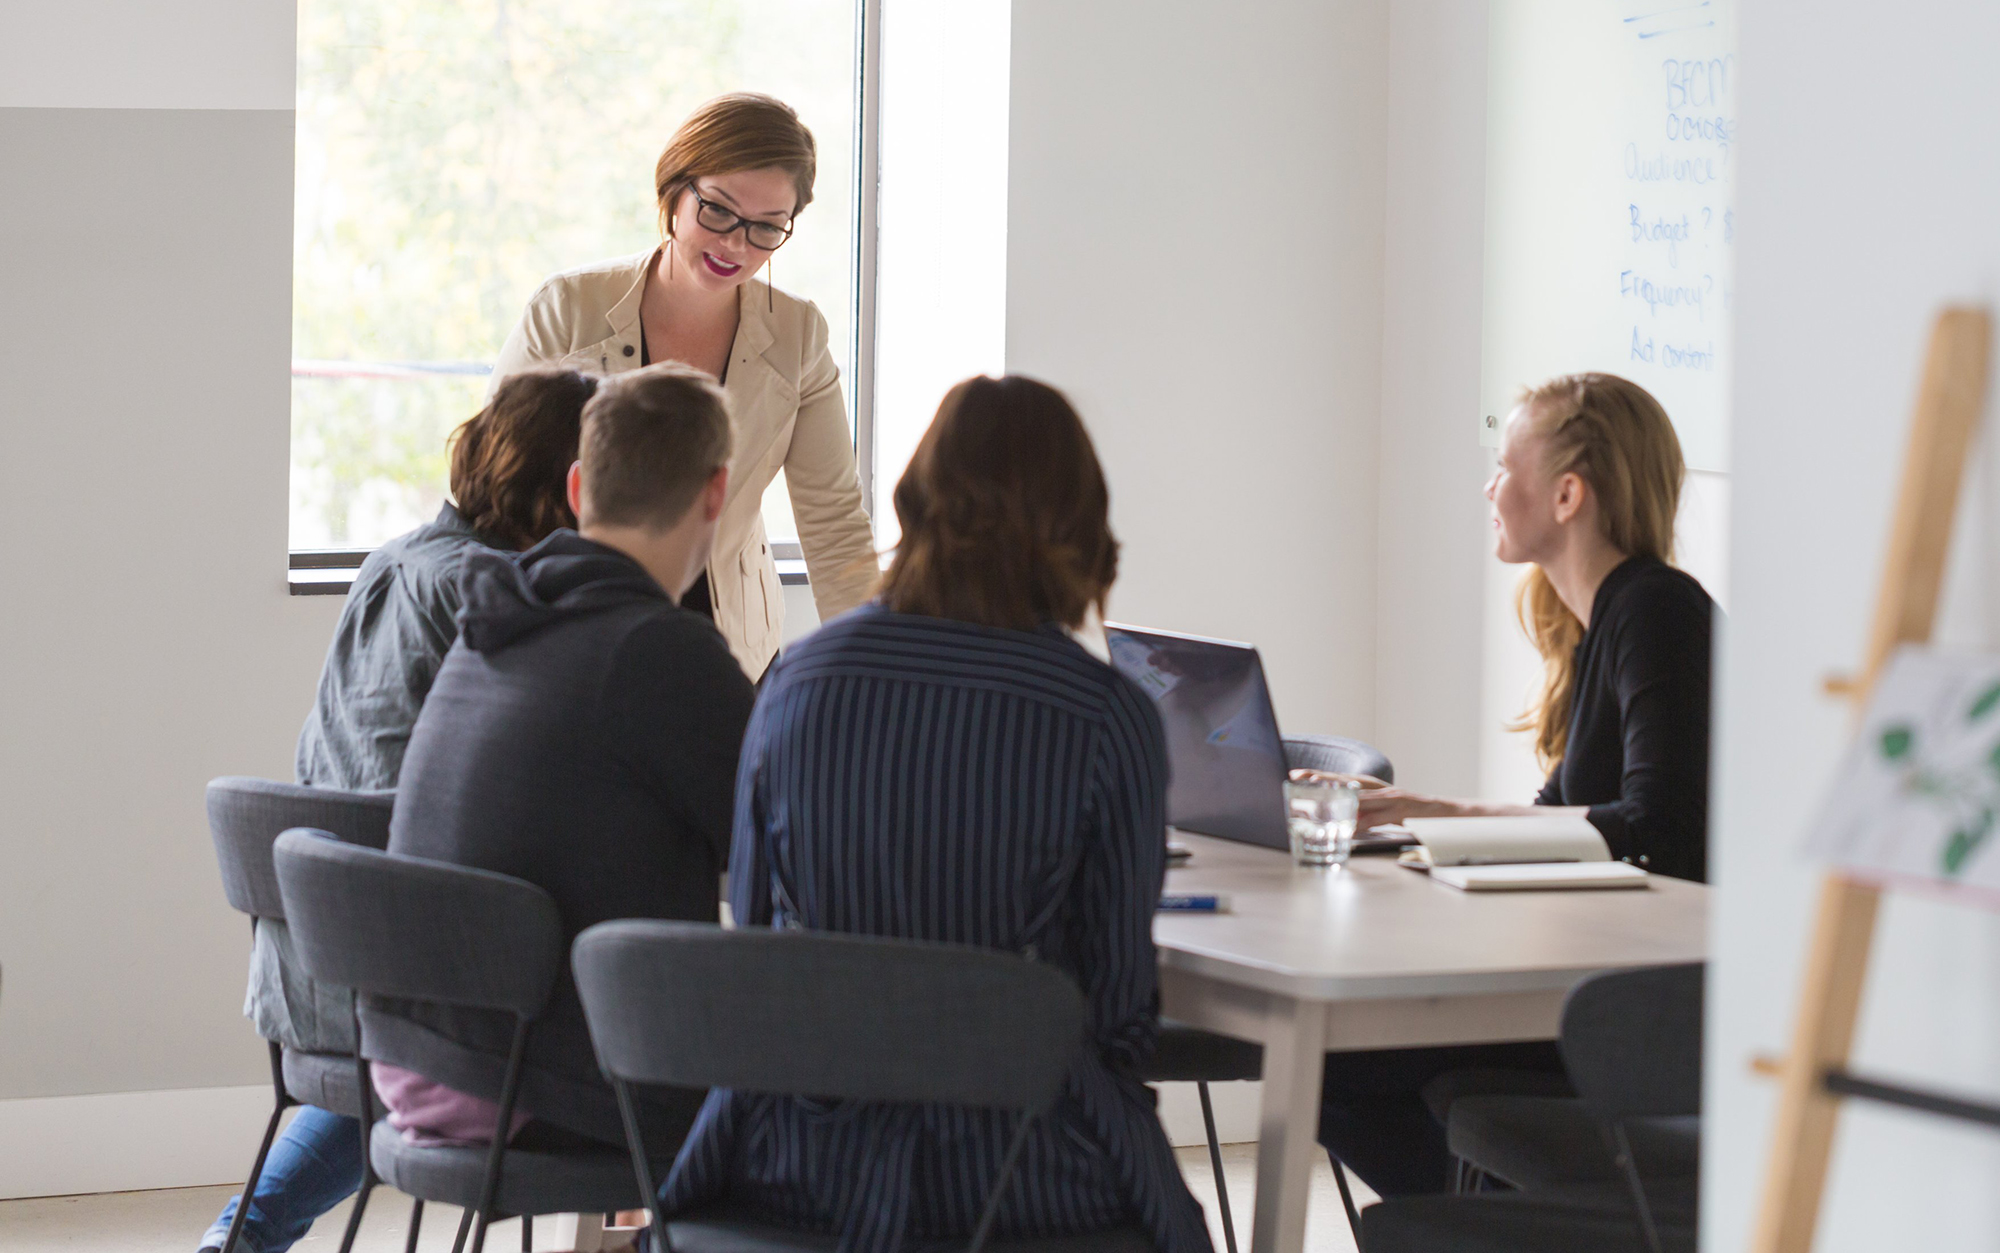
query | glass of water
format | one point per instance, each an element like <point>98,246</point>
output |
<point>1320,813</point>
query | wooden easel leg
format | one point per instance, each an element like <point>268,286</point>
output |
<point>1830,1003</point>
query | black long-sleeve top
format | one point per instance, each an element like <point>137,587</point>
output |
<point>1638,730</point>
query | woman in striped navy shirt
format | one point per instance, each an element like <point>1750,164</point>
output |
<point>947,764</point>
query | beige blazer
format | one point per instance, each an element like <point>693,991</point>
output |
<point>784,398</point>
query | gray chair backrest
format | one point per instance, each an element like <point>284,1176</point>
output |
<point>1337,754</point>
<point>405,927</point>
<point>1631,1040</point>
<point>814,1014</point>
<point>246,815</point>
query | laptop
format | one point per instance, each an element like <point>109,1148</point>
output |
<point>1222,736</point>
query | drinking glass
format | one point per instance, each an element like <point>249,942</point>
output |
<point>1320,814</point>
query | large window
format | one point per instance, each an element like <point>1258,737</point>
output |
<point>453,153</point>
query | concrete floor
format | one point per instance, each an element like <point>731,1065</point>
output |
<point>171,1221</point>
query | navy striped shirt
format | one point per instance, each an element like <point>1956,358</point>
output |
<point>927,779</point>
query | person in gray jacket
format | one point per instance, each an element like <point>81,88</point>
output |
<point>509,466</point>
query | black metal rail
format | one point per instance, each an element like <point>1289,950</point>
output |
<point>1847,1083</point>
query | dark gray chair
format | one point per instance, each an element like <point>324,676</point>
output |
<point>399,927</point>
<point>1190,1055</point>
<point>1623,1153</point>
<point>1540,1141</point>
<point>833,1016</point>
<point>1570,1220</point>
<point>1337,754</point>
<point>245,817</point>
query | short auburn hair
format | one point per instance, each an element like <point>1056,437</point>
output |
<point>652,439</point>
<point>744,130</point>
<point>510,461</point>
<point>1006,518</point>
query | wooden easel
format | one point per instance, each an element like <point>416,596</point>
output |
<point>1813,1076</point>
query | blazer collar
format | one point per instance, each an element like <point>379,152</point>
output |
<point>753,316</point>
<point>753,319</point>
<point>624,316</point>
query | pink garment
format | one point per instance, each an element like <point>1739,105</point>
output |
<point>430,1114</point>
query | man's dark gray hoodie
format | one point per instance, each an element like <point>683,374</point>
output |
<point>583,735</point>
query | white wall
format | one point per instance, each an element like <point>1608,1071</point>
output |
<point>1432,537</point>
<point>149,642</point>
<point>1228,366</point>
<point>1867,199</point>
<point>136,54</point>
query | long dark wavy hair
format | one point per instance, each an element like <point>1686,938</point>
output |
<point>510,461</point>
<point>1005,515</point>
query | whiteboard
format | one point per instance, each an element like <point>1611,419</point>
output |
<point>1610,227</point>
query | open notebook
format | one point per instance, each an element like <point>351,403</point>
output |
<point>1517,854</point>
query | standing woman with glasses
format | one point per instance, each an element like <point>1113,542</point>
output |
<point>731,183</point>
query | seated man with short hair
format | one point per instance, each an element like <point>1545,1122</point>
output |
<point>582,735</point>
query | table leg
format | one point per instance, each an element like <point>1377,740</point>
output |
<point>1288,1124</point>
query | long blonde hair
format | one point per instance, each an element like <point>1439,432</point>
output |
<point>1614,435</point>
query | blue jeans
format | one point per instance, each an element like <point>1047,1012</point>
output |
<point>314,1165</point>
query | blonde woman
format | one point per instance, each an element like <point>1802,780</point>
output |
<point>731,182</point>
<point>1587,488</point>
<point>1586,492</point>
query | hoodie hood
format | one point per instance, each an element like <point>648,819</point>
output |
<point>511,595</point>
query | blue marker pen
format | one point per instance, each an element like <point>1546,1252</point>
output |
<point>1194,903</point>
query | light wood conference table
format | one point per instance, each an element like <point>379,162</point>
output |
<point>1310,961</point>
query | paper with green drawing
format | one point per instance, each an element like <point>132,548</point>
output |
<point>1918,793</point>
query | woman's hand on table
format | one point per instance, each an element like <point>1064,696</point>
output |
<point>1383,804</point>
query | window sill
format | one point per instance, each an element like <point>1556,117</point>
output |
<point>336,580</point>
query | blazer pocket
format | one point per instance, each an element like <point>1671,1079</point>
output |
<point>605,358</point>
<point>766,604</point>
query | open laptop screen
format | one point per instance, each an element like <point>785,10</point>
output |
<point>1222,737</point>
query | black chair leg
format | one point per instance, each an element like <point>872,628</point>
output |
<point>360,1207</point>
<point>642,1170</point>
<point>527,1233</point>
<point>364,1087</point>
<point>1467,1178</point>
<point>416,1225</point>
<point>1641,1208</point>
<point>1346,1197</point>
<point>1215,1164</point>
<point>496,1152</point>
<point>464,1226</point>
<point>282,1103</point>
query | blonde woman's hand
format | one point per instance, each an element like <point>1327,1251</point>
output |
<point>1385,805</point>
<point>1382,804</point>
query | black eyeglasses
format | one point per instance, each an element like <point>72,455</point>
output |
<point>722,220</point>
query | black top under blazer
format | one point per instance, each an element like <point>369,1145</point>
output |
<point>1639,720</point>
